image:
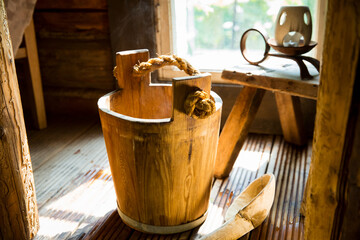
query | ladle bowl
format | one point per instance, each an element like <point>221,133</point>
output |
<point>248,210</point>
<point>292,51</point>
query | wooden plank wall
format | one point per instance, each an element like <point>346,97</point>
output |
<point>75,53</point>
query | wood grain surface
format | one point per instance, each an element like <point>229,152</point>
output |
<point>161,159</point>
<point>274,77</point>
<point>76,25</point>
<point>18,207</point>
<point>73,40</point>
<point>341,49</point>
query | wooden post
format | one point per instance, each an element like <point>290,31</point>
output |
<point>18,209</point>
<point>325,188</point>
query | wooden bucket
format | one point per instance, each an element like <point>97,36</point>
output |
<point>161,160</point>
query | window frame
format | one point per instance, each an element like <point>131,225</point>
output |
<point>164,38</point>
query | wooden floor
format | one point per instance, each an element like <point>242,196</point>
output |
<point>76,198</point>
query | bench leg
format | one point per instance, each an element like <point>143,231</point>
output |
<point>236,129</point>
<point>291,118</point>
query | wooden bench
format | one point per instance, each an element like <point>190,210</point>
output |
<point>284,80</point>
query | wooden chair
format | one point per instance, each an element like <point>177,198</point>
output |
<point>30,52</point>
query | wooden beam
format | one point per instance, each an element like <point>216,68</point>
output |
<point>236,129</point>
<point>291,118</point>
<point>338,75</point>
<point>18,209</point>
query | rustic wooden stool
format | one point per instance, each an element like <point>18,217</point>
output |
<point>285,82</point>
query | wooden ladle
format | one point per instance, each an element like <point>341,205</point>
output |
<point>248,210</point>
<point>292,53</point>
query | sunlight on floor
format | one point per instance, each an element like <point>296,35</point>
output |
<point>50,227</point>
<point>78,207</point>
<point>252,160</point>
<point>215,221</point>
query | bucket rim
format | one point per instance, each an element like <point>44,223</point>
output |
<point>102,107</point>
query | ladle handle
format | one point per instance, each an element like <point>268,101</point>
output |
<point>231,230</point>
<point>243,50</point>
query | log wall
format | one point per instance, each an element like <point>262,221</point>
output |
<point>75,53</point>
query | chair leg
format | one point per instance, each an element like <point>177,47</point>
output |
<point>33,60</point>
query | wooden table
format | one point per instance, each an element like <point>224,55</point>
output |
<point>284,80</point>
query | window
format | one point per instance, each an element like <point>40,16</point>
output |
<point>207,32</point>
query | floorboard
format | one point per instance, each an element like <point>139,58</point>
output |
<point>76,198</point>
<point>60,132</point>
